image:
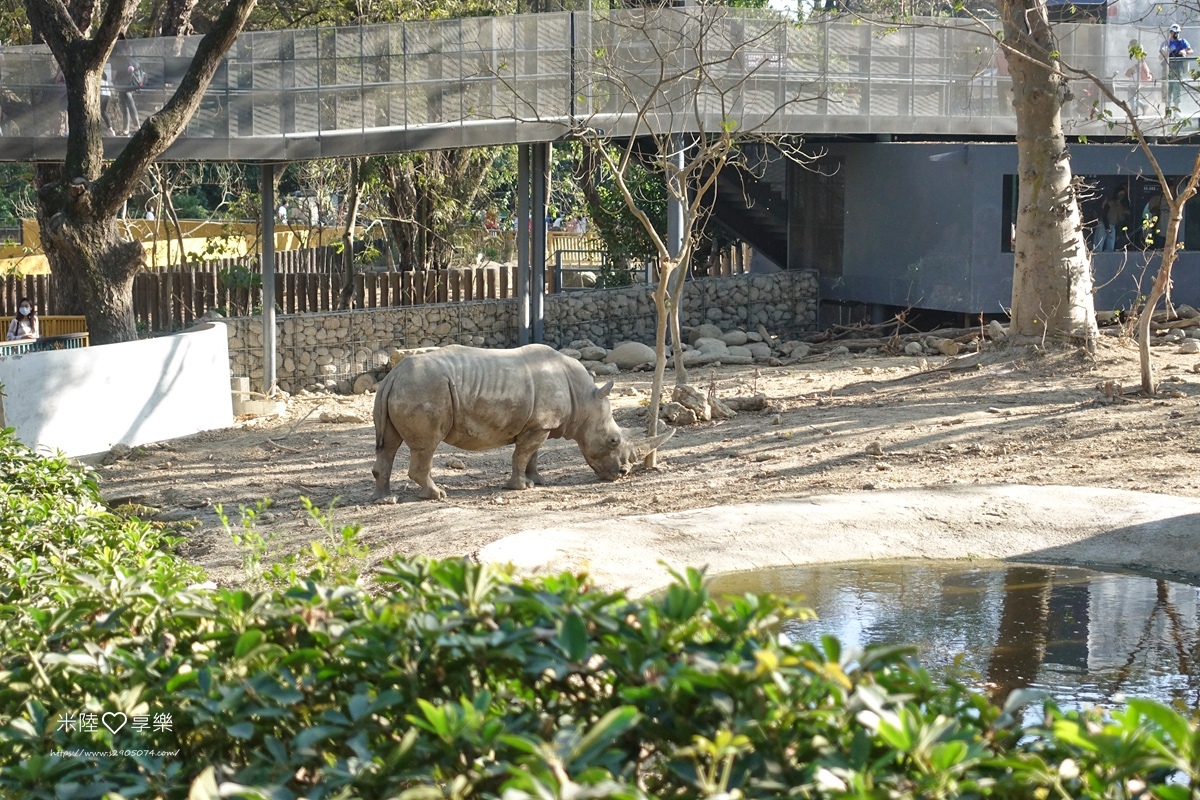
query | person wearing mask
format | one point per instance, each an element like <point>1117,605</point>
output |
<point>1176,51</point>
<point>24,325</point>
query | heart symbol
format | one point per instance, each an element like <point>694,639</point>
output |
<point>115,715</point>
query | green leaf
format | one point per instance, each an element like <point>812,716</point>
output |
<point>1172,723</point>
<point>611,726</point>
<point>311,736</point>
<point>247,642</point>
<point>574,639</point>
<point>242,730</point>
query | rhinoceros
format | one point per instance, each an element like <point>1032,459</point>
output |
<point>480,399</point>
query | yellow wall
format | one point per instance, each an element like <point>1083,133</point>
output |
<point>208,239</point>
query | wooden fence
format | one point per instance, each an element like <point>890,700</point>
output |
<point>305,281</point>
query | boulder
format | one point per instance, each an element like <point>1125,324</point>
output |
<point>759,349</point>
<point>710,345</point>
<point>676,414</point>
<point>363,384</point>
<point>599,368</point>
<point>995,330</point>
<point>738,351</point>
<point>913,349</point>
<point>1189,347</point>
<point>593,353</point>
<point>571,352</point>
<point>735,338</point>
<point>705,331</point>
<point>691,398</point>
<point>630,355</point>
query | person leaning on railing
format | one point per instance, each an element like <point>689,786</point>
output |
<point>25,324</point>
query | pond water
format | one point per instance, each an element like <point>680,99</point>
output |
<point>1087,637</point>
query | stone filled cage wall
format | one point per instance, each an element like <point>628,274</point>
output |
<point>331,349</point>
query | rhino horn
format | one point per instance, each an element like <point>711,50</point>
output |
<point>648,445</point>
<point>604,390</point>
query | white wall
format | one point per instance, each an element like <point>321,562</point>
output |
<point>85,401</point>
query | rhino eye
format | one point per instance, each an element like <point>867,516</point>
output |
<point>614,440</point>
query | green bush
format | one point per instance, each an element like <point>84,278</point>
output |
<point>449,679</point>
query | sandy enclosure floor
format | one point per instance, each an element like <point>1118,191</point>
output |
<point>834,424</point>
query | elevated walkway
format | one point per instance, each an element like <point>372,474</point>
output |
<point>331,92</point>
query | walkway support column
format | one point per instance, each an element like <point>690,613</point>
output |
<point>541,186</point>
<point>524,226</point>
<point>267,261</point>
<point>675,200</point>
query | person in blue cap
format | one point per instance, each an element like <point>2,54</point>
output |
<point>1176,51</point>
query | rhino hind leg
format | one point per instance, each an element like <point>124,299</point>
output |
<point>531,471</point>
<point>387,442</point>
<point>524,462</point>
<point>420,468</point>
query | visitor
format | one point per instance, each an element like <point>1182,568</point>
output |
<point>281,213</point>
<point>1141,75</point>
<point>126,71</point>
<point>24,325</point>
<point>1175,51</point>
<point>106,88</point>
<point>150,212</point>
<point>1114,216</point>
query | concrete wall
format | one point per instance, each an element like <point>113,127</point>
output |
<point>332,349</point>
<point>85,401</point>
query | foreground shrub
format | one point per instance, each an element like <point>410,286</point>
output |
<point>451,679</point>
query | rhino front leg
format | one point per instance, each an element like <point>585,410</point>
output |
<point>420,465</point>
<point>525,460</point>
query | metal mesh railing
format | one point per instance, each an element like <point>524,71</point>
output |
<point>284,91</point>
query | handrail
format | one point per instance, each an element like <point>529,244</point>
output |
<point>492,80</point>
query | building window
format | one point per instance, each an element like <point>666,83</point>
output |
<point>1120,212</point>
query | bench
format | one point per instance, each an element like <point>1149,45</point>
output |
<point>59,324</point>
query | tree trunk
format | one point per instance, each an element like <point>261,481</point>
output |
<point>660,354</point>
<point>1021,639</point>
<point>1052,277</point>
<point>78,210</point>
<point>348,268</point>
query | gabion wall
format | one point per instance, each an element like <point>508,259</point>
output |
<point>331,349</point>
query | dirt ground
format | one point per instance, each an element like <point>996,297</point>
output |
<point>835,423</point>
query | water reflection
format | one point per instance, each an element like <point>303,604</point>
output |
<point>1086,636</point>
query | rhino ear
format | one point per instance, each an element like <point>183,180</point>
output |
<point>604,390</point>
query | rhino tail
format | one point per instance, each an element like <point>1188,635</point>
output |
<point>383,418</point>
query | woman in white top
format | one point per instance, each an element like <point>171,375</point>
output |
<point>25,324</point>
<point>105,98</point>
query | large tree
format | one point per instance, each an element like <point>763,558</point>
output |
<point>93,265</point>
<point>1052,271</point>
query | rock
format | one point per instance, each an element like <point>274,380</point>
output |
<point>705,331</point>
<point>598,368</point>
<point>754,402</point>
<point>737,351</point>
<point>735,338</point>
<point>762,332</point>
<point>571,352</point>
<point>363,384</point>
<point>933,343</point>
<point>582,344</point>
<point>692,398</point>
<point>753,336</point>
<point>1175,335</point>
<point>995,330</point>
<point>728,360</point>
<point>116,453</point>
<point>339,417</point>
<point>875,449</point>
<point>714,314</point>
<point>698,358</point>
<point>777,419</point>
<point>455,463</point>
<point>1186,312</point>
<point>1189,347</point>
<point>913,349</point>
<point>720,410</point>
<point>630,355</point>
<point>842,350</point>
<point>676,414</point>
<point>948,347</point>
<point>593,353</point>
<point>797,350</point>
<point>760,350</point>
<point>710,345</point>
